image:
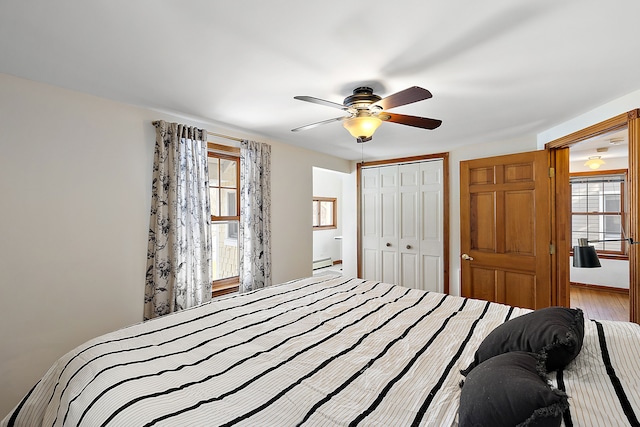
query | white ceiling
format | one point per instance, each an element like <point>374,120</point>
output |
<point>610,145</point>
<point>498,69</point>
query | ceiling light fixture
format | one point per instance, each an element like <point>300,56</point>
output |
<point>362,127</point>
<point>594,162</point>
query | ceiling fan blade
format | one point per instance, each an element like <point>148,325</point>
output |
<point>419,122</point>
<point>404,97</point>
<point>321,102</point>
<point>324,122</point>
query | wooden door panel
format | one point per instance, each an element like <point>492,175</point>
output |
<point>505,229</point>
<point>481,175</point>
<point>501,262</point>
<point>518,226</point>
<point>481,284</point>
<point>522,172</point>
<point>483,228</point>
<point>518,289</point>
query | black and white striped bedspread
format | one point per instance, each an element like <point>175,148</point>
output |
<point>316,351</point>
<point>603,382</point>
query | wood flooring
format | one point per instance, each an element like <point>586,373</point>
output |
<point>600,304</point>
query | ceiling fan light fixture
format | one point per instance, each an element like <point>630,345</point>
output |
<point>362,127</point>
<point>594,162</point>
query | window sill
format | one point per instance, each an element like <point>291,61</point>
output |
<point>225,286</point>
<point>619,257</point>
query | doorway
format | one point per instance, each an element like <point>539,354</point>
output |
<point>598,180</point>
<point>559,149</point>
<point>328,224</point>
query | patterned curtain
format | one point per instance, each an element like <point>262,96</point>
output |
<point>179,251</point>
<point>255,215</point>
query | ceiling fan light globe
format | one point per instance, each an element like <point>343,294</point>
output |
<point>362,127</point>
<point>594,162</point>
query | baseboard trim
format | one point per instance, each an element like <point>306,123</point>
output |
<point>599,288</point>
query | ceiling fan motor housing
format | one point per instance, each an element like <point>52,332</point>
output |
<point>362,97</point>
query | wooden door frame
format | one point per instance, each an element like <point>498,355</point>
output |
<point>445,202</point>
<point>561,209</point>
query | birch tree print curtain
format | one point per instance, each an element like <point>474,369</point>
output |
<point>179,251</point>
<point>255,215</point>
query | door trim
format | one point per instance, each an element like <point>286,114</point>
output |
<point>560,207</point>
<point>445,201</point>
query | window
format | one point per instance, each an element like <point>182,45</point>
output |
<point>325,213</point>
<point>598,211</point>
<point>224,181</point>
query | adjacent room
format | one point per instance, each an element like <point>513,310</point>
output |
<point>294,213</point>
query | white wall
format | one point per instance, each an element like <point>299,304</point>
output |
<point>328,183</point>
<point>613,273</point>
<point>75,185</point>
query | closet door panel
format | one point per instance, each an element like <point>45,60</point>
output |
<point>389,273</point>
<point>370,223</point>
<point>432,225</point>
<point>409,270</point>
<point>431,273</point>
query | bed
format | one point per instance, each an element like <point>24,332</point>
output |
<point>324,350</point>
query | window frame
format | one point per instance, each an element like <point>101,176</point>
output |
<point>227,284</point>
<point>623,253</point>
<point>334,224</point>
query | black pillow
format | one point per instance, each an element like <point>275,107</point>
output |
<point>554,333</point>
<point>510,390</point>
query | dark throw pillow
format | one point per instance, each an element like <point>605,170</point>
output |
<point>510,390</point>
<point>554,333</point>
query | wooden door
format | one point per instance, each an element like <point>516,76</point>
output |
<point>505,229</point>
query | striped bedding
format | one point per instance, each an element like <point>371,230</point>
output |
<point>315,351</point>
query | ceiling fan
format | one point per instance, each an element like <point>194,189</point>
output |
<point>367,111</point>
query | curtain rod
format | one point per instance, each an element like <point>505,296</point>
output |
<point>233,138</point>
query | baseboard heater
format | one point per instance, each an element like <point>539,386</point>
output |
<point>321,263</point>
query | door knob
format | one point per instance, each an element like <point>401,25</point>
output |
<point>467,257</point>
<point>388,244</point>
<point>408,246</point>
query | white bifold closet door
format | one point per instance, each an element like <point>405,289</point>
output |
<point>402,224</point>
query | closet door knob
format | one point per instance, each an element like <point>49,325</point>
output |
<point>388,244</point>
<point>408,246</point>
